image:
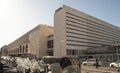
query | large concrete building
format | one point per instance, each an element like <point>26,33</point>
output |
<point>76,31</point>
<point>33,42</point>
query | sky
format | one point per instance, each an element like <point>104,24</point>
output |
<point>19,16</point>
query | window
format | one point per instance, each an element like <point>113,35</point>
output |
<point>70,52</point>
<point>50,44</point>
<point>26,45</point>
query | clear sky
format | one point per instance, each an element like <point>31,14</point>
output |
<point>19,16</point>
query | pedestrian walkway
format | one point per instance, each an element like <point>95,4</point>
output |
<point>100,69</point>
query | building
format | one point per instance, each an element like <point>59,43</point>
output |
<point>4,50</point>
<point>76,32</point>
<point>32,43</point>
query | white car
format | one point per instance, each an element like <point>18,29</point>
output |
<point>115,64</point>
<point>91,62</point>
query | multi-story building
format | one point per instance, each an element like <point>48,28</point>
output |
<point>75,32</point>
<point>33,42</point>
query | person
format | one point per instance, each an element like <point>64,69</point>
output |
<point>65,62</point>
<point>96,63</point>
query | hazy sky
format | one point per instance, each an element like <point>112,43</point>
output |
<point>19,16</point>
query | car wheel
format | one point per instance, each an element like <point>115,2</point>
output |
<point>112,66</point>
<point>84,64</point>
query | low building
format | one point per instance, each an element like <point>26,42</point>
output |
<point>32,43</point>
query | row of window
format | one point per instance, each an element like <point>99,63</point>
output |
<point>81,45</point>
<point>22,49</point>
<point>88,42</point>
<point>89,35</point>
<point>91,25</point>
<point>75,52</point>
<point>105,26</point>
<point>93,29</point>
<point>103,36</point>
<point>85,38</point>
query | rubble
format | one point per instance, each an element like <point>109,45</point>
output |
<point>28,65</point>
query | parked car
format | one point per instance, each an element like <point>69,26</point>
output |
<point>91,62</point>
<point>115,64</point>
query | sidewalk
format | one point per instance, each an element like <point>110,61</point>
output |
<point>100,69</point>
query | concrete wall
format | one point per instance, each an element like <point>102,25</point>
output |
<point>44,33</point>
<point>59,33</point>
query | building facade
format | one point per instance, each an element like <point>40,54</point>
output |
<point>4,50</point>
<point>75,32</point>
<point>33,42</point>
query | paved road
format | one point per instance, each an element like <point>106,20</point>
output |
<point>92,69</point>
<point>84,71</point>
